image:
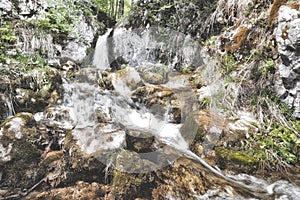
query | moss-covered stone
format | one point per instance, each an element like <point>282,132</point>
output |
<point>20,168</point>
<point>36,89</point>
<point>236,156</point>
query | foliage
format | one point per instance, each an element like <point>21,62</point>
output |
<point>205,103</point>
<point>115,9</point>
<point>7,38</point>
<point>277,145</point>
<point>57,21</point>
<point>229,63</point>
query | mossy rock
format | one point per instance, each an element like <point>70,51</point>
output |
<point>21,167</point>
<point>236,156</point>
<point>36,88</point>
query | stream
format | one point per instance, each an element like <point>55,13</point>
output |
<point>101,118</point>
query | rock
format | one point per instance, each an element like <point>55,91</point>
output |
<point>87,75</point>
<point>183,180</point>
<point>100,140</point>
<point>12,127</point>
<point>297,105</point>
<point>132,185</point>
<point>6,7</point>
<point>35,95</point>
<point>288,39</point>
<point>140,142</point>
<point>151,94</point>
<point>19,156</point>
<point>125,80</point>
<point>59,116</point>
<point>153,78</point>
<point>75,51</point>
<point>80,190</point>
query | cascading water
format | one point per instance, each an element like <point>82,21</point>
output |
<point>118,113</point>
<point>101,60</point>
<point>154,45</point>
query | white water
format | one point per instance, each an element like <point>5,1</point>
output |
<point>139,46</point>
<point>85,99</point>
<point>100,59</point>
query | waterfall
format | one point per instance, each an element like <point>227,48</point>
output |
<point>101,54</point>
<point>120,113</point>
<point>151,45</point>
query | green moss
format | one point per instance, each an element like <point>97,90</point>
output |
<point>236,156</point>
<point>229,63</point>
<point>186,70</point>
<point>211,41</point>
<point>7,38</point>
<point>276,145</point>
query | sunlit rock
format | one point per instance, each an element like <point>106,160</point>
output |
<point>62,117</point>
<point>125,80</point>
<point>100,139</point>
<point>6,5</point>
<point>287,36</point>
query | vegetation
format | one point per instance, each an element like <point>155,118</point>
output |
<point>250,53</point>
<point>115,9</point>
<point>57,21</point>
<point>7,38</point>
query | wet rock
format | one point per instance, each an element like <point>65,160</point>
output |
<point>100,140</point>
<point>105,82</point>
<point>287,36</point>
<point>150,95</point>
<point>58,117</point>
<point>138,141</point>
<point>125,80</point>
<point>87,75</point>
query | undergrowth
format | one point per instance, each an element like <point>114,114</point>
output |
<point>252,66</point>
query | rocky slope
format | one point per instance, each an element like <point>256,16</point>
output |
<point>245,81</point>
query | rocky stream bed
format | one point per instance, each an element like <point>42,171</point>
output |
<point>178,100</point>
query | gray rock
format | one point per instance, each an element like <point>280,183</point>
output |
<point>297,105</point>
<point>75,51</point>
<point>6,7</point>
<point>84,34</point>
<point>288,39</point>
